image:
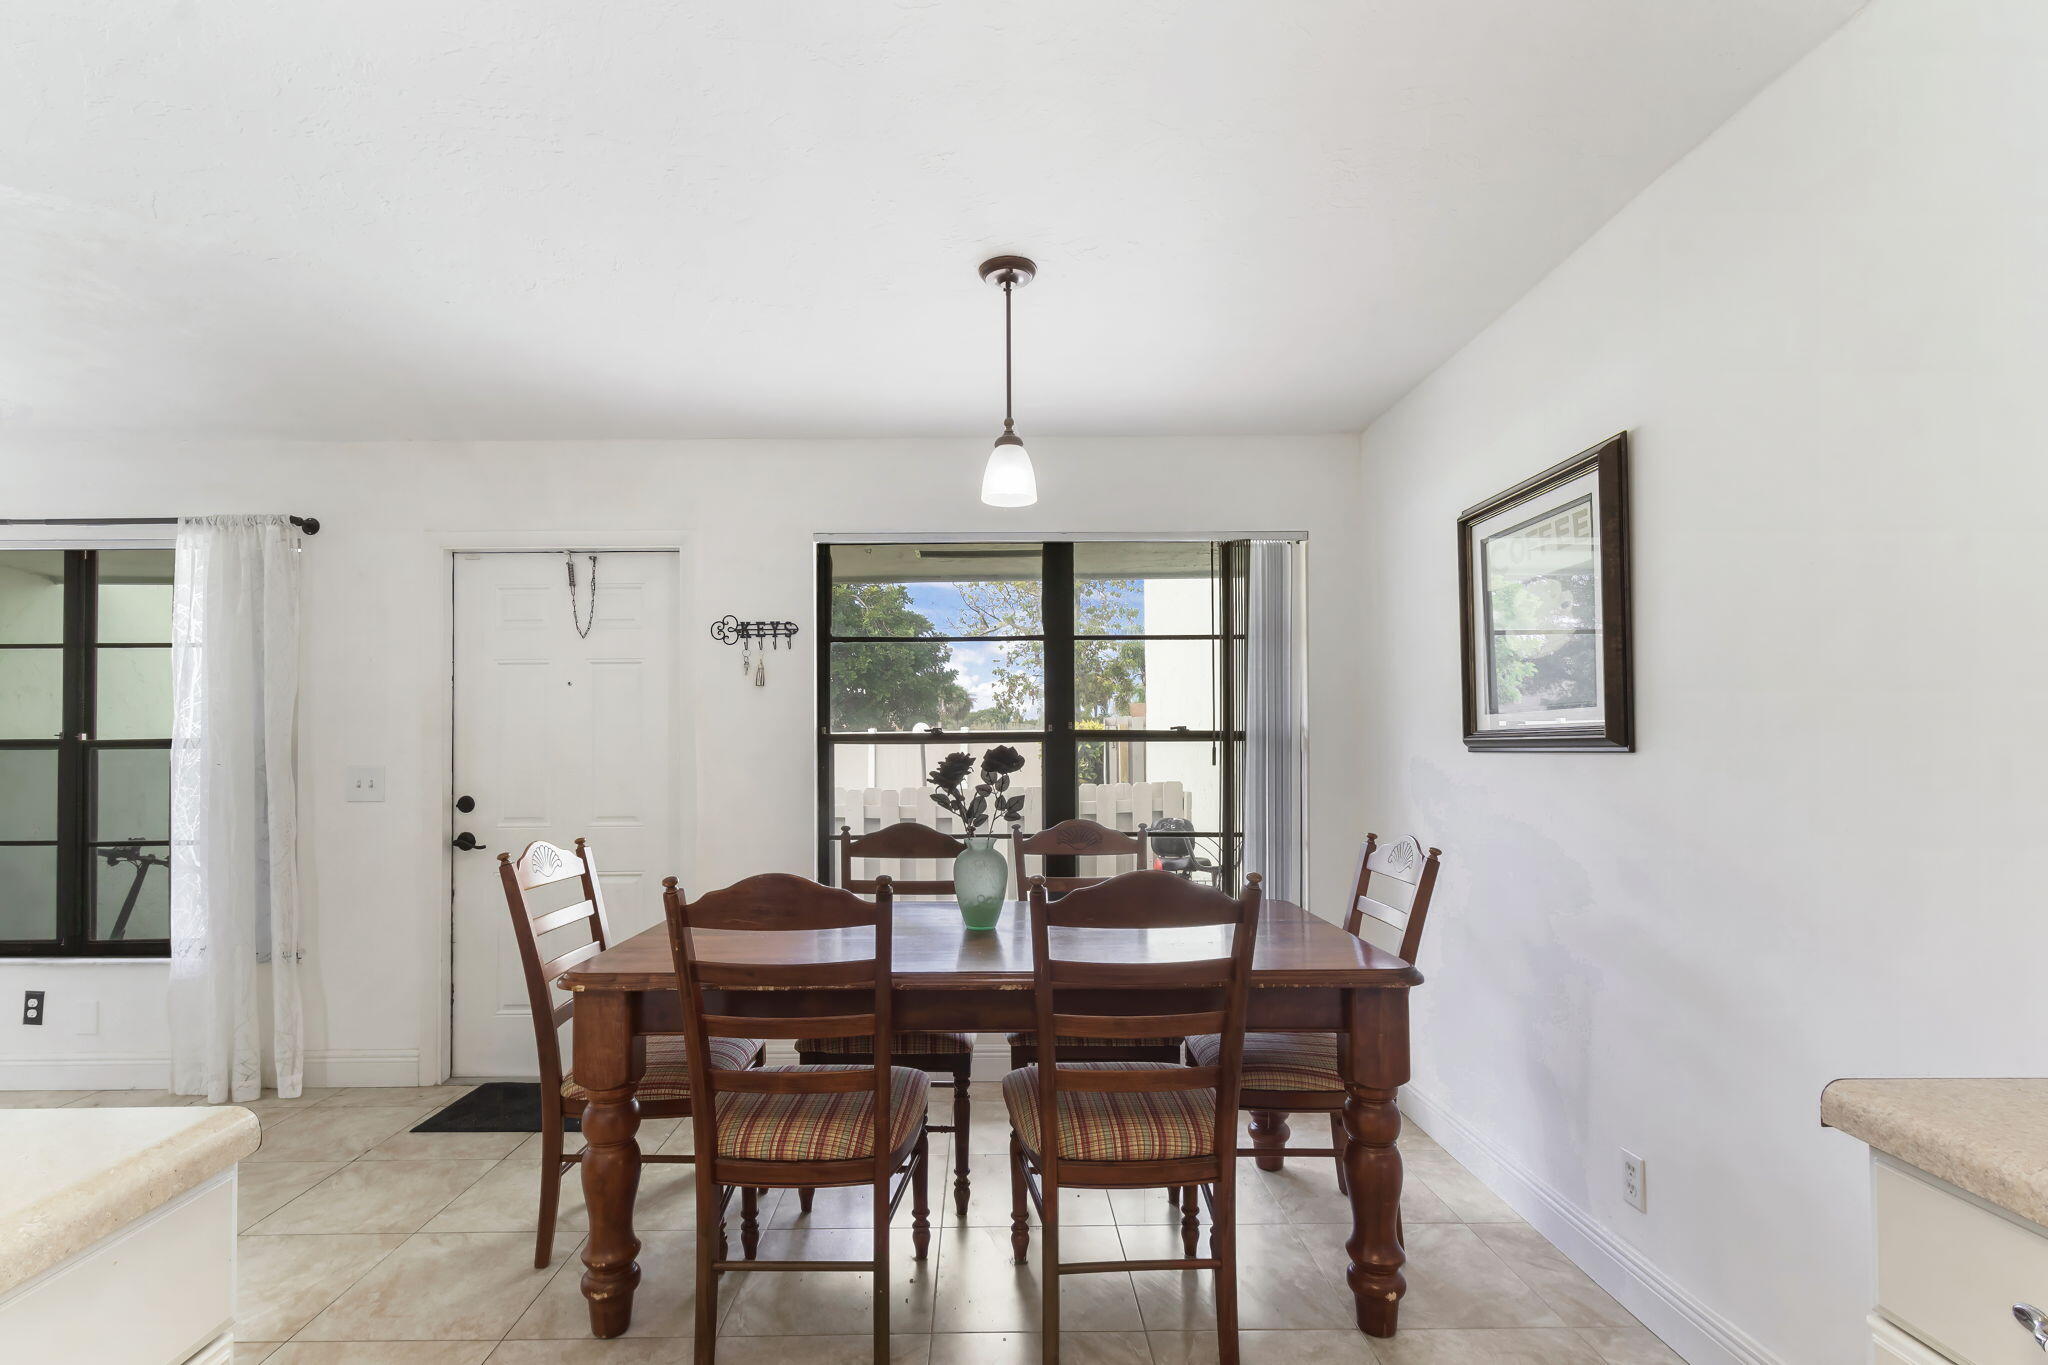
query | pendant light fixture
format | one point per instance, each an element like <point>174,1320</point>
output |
<point>1008,481</point>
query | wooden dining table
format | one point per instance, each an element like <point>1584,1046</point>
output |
<point>1307,973</point>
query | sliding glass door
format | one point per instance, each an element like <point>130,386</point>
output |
<point>1106,664</point>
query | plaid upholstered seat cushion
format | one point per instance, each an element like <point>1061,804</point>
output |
<point>818,1127</point>
<point>668,1066</point>
<point>1063,1040</point>
<point>923,1044</point>
<point>1099,1125</point>
<point>1278,1061</point>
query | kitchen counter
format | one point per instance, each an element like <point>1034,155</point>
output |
<point>70,1178</point>
<point>1989,1137</point>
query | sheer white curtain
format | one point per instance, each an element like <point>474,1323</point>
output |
<point>234,815</point>
<point>1275,719</point>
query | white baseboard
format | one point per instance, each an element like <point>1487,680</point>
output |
<point>354,1066</point>
<point>152,1071</point>
<point>1697,1332</point>
<point>99,1071</point>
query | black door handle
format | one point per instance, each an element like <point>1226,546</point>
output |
<point>466,841</point>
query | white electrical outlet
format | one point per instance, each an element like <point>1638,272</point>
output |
<point>366,784</point>
<point>1633,1176</point>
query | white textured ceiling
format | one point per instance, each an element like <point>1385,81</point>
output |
<point>656,218</point>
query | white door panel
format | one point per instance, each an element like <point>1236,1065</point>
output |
<point>556,736</point>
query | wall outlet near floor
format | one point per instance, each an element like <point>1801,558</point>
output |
<point>366,784</point>
<point>31,1007</point>
<point>1632,1177</point>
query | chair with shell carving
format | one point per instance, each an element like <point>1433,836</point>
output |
<point>1286,1073</point>
<point>665,1086</point>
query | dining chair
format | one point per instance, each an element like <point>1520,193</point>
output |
<point>801,1127</point>
<point>1086,839</point>
<point>1078,839</point>
<point>948,1055</point>
<point>1288,1073</point>
<point>1126,1125</point>
<point>665,1088</point>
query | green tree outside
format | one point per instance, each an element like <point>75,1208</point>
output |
<point>890,687</point>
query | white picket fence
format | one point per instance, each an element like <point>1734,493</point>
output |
<point>1119,805</point>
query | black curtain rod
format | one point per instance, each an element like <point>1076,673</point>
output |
<point>310,525</point>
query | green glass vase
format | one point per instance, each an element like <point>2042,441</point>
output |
<point>980,876</point>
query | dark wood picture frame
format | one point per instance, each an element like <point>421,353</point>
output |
<point>1614,732</point>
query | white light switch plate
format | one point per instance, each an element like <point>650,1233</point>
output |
<point>366,784</point>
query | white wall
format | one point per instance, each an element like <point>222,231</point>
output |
<point>1825,331</point>
<point>375,689</point>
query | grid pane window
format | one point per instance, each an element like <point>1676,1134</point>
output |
<point>875,785</point>
<point>85,722</point>
<point>1052,647</point>
<point>921,684</point>
<point>28,903</point>
<point>1146,587</point>
<point>134,596</point>
<point>937,590</point>
<point>131,893</point>
<point>28,795</point>
<point>132,796</point>
<point>31,597</point>
<point>31,693</point>
<point>1145,684</point>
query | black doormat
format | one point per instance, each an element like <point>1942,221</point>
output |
<point>495,1107</point>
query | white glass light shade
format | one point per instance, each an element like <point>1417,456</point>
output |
<point>1008,481</point>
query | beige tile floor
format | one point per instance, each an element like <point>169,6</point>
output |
<point>364,1243</point>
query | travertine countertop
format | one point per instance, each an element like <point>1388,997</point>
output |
<point>69,1177</point>
<point>1989,1137</point>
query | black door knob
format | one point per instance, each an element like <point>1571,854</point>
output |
<point>465,804</point>
<point>466,841</point>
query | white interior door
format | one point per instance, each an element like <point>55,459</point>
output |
<point>556,735</point>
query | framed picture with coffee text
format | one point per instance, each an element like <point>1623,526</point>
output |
<point>1544,610</point>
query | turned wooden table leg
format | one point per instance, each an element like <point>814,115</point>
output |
<point>1270,1132</point>
<point>963,1111</point>
<point>605,1067</point>
<point>1376,1056</point>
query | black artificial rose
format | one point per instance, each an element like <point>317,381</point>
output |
<point>952,770</point>
<point>1002,759</point>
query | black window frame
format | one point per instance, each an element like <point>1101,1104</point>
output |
<point>77,748</point>
<point>1058,736</point>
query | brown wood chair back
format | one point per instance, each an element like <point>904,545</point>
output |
<point>1079,839</point>
<point>752,969</point>
<point>1124,992</point>
<point>906,839</point>
<point>1395,882</point>
<point>542,864</point>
